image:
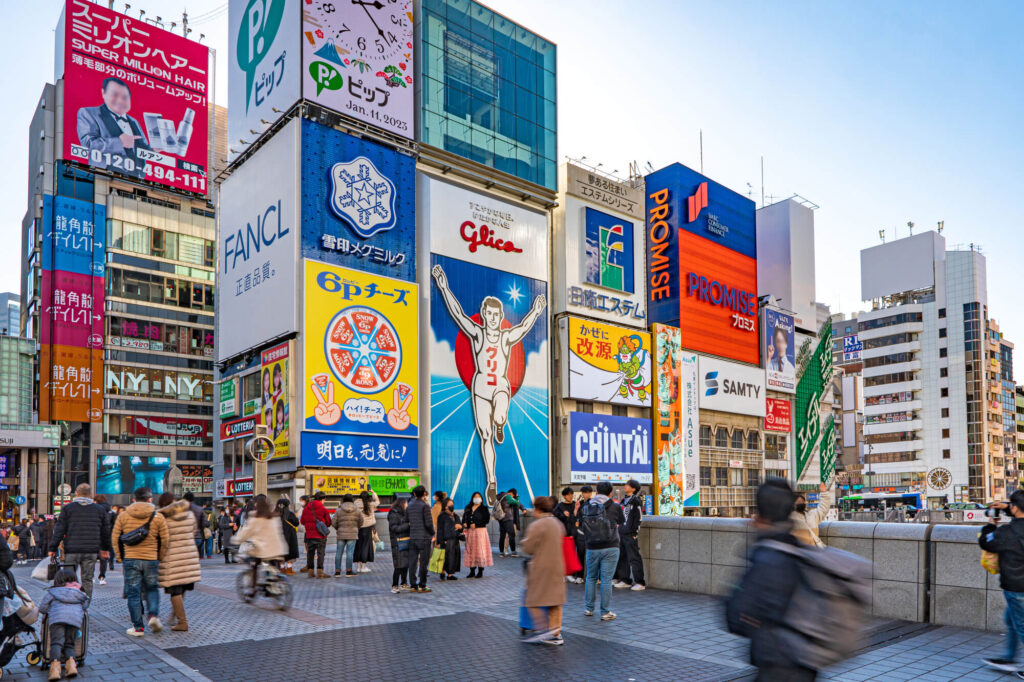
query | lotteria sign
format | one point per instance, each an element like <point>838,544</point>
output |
<point>609,448</point>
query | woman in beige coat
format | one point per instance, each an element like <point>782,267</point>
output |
<point>545,577</point>
<point>179,558</point>
<point>262,530</point>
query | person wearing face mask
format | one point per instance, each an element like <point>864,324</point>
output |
<point>449,528</point>
<point>806,521</point>
<point>478,545</point>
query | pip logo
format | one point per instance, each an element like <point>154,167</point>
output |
<point>696,203</point>
<point>609,255</point>
<point>711,382</point>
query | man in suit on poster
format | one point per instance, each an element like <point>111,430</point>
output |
<point>110,130</point>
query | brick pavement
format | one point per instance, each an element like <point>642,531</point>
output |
<point>658,636</point>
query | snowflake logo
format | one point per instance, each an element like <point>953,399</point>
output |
<point>362,196</point>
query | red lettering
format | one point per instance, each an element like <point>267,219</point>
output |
<point>485,237</point>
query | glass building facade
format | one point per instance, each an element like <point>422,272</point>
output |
<point>487,90</point>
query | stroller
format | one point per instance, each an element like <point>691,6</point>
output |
<point>17,632</point>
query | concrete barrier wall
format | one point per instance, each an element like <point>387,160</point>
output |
<point>923,573</point>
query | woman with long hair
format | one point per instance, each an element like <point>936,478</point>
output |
<point>475,518</point>
<point>398,530</point>
<point>449,529</point>
<point>367,529</point>
<point>290,528</point>
<point>179,569</point>
<point>262,530</point>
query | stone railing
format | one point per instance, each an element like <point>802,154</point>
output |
<point>922,573</point>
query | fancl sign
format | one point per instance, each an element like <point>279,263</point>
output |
<point>609,448</point>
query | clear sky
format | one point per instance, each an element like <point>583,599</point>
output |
<point>879,112</point>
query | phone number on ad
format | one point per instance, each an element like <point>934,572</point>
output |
<point>154,171</point>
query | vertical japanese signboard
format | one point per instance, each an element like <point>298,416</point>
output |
<point>358,60</point>
<point>677,458</point>
<point>275,378</point>
<point>135,98</point>
<point>809,390</point>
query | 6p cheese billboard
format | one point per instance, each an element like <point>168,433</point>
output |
<point>136,100</point>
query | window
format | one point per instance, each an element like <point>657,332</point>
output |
<point>945,433</point>
<point>722,437</point>
<point>737,439</point>
<point>705,436</point>
<point>705,475</point>
<point>586,407</point>
<point>620,410</point>
<point>945,454</point>
<point>753,478</point>
<point>944,393</point>
<point>721,476</point>
<point>945,411</point>
<point>943,352</point>
<point>943,371</point>
<point>753,441</point>
<point>735,477</point>
<point>942,333</point>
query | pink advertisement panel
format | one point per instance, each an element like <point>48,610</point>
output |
<point>72,309</point>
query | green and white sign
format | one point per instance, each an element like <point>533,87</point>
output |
<point>817,373</point>
<point>389,485</point>
<point>227,406</point>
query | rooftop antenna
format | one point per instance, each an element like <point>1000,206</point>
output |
<point>910,224</point>
<point>881,235</point>
<point>942,224</point>
<point>184,24</point>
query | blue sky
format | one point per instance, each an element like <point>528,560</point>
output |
<point>879,112</point>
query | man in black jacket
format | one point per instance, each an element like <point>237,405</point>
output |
<point>630,560</point>
<point>84,528</point>
<point>421,533</point>
<point>1007,540</point>
<point>756,609</point>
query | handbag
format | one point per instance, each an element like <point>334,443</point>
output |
<point>402,544</point>
<point>138,535</point>
<point>322,528</point>
<point>52,569</point>
<point>436,560</point>
<point>572,559</point>
<point>207,534</point>
<point>990,562</point>
<point>378,544</point>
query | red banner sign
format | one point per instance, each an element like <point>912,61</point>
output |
<point>778,416</point>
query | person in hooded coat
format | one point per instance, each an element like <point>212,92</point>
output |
<point>290,528</point>
<point>179,560</point>
<point>398,528</point>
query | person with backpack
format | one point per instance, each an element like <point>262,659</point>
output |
<point>316,520</point>
<point>138,535</point>
<point>475,518</point>
<point>84,528</point>
<point>801,607</point>
<point>65,605</point>
<point>1007,542</point>
<point>508,524</point>
<point>600,520</point>
<point>630,561</point>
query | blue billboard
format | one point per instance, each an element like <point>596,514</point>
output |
<point>358,203</point>
<point>351,451</point>
<point>679,198</point>
<point>74,235</point>
<point>604,447</point>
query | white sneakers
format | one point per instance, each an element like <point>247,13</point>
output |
<point>155,625</point>
<point>619,583</point>
<point>588,613</point>
<point>394,590</point>
<point>608,616</point>
<point>132,632</point>
<point>103,581</point>
<point>638,587</point>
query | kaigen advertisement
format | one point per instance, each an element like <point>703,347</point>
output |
<point>276,400</point>
<point>604,447</point>
<point>607,364</point>
<point>359,62</point>
<point>136,100</point>
<point>361,358</point>
<point>779,351</point>
<point>675,423</point>
<point>488,381</point>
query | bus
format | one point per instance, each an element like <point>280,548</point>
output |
<point>879,501</point>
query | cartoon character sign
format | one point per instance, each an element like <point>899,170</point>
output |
<point>495,391</point>
<point>607,363</point>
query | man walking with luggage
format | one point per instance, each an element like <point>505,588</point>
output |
<point>139,533</point>
<point>84,528</point>
<point>630,571</point>
<point>600,519</point>
<point>1007,540</point>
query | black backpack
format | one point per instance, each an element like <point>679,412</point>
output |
<point>597,527</point>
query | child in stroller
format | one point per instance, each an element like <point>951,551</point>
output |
<point>17,632</point>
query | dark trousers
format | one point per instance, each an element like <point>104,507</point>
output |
<point>315,547</point>
<point>419,555</point>
<point>581,552</point>
<point>773,673</point>
<point>62,641</point>
<point>400,575</point>
<point>630,561</point>
<point>506,529</point>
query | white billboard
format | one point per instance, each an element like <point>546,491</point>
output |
<point>264,58</point>
<point>731,387</point>
<point>258,247</point>
<point>901,265</point>
<point>358,60</point>
<point>478,228</point>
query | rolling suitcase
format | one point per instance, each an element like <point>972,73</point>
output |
<point>81,642</point>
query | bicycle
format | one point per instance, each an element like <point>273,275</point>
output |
<point>270,583</point>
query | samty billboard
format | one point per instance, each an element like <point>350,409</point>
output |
<point>136,99</point>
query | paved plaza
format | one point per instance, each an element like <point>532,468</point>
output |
<point>466,630</point>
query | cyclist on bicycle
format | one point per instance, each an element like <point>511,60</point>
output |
<point>263,531</point>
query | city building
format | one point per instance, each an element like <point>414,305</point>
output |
<point>848,404</point>
<point>1018,400</point>
<point>11,304</point>
<point>932,386</point>
<point>1000,416</point>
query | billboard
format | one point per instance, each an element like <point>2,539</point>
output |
<point>196,478</point>
<point>136,100</point>
<point>810,388</point>
<point>852,348</point>
<point>606,364</point>
<point>778,415</point>
<point>358,203</point>
<point>70,381</point>
<point>359,62</point>
<point>675,423</point>
<point>238,428</point>
<point>74,235</point>
<point>353,485</point>
<point>608,448</point>
<point>779,351</point>
<point>264,64</point>
<point>186,431</point>
<point>227,405</point>
<point>718,308</point>
<point>361,354</point>
<point>682,202</point>
<point>363,451</point>
<point>121,474</point>
<point>276,392</point>
<point>259,218</point>
<point>730,387</point>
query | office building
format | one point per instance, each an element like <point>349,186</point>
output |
<point>10,312</point>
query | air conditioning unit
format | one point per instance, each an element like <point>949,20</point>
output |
<point>260,430</point>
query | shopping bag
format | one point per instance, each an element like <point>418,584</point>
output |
<point>40,571</point>
<point>572,559</point>
<point>436,560</point>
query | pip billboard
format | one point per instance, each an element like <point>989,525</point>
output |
<point>361,352</point>
<point>264,64</point>
<point>275,377</point>
<point>359,61</point>
<point>605,363</point>
<point>605,447</point>
<point>675,423</point>
<point>779,351</point>
<point>358,203</point>
<point>259,218</point>
<point>136,99</point>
